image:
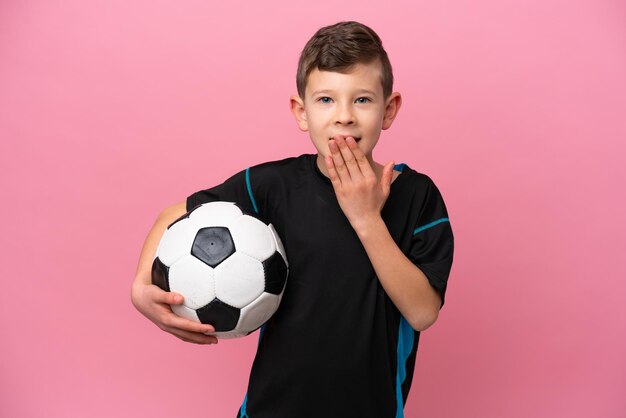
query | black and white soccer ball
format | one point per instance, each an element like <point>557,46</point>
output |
<point>230,266</point>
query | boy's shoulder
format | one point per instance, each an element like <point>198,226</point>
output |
<point>413,177</point>
<point>282,164</point>
<point>270,172</point>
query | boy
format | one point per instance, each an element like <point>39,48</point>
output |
<point>369,247</point>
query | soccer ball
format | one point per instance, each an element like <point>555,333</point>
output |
<point>229,265</point>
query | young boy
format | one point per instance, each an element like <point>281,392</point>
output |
<point>369,247</point>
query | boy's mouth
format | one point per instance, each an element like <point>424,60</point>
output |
<point>356,138</point>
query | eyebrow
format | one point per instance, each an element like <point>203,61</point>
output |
<point>360,91</point>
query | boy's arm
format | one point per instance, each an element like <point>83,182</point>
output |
<point>362,196</point>
<point>152,301</point>
<point>406,285</point>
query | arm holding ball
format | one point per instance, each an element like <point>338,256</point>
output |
<point>153,302</point>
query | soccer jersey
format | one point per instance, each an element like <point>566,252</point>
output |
<point>337,346</point>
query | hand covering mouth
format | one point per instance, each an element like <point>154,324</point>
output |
<point>356,138</point>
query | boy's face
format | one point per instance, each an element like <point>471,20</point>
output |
<point>350,104</point>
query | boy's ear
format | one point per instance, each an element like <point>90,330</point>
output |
<point>297,108</point>
<point>391,109</point>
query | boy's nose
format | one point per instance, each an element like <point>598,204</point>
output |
<point>344,115</point>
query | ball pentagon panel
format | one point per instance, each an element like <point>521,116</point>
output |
<point>275,271</point>
<point>160,274</point>
<point>221,315</point>
<point>213,245</point>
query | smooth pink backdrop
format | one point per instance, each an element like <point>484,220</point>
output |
<point>112,110</point>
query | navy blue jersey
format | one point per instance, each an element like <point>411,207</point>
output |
<point>337,346</point>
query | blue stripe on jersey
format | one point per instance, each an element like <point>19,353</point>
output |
<point>399,167</point>
<point>242,410</point>
<point>250,190</point>
<point>406,338</point>
<point>430,225</point>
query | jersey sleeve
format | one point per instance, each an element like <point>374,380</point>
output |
<point>432,245</point>
<point>235,189</point>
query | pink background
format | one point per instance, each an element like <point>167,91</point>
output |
<point>112,110</point>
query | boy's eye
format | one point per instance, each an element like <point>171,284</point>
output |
<point>360,100</point>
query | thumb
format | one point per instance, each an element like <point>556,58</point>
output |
<point>174,298</point>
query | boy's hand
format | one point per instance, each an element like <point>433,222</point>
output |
<point>154,303</point>
<point>361,195</point>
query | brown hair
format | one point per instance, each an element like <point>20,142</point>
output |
<point>338,48</point>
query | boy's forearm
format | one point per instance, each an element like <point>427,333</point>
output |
<point>405,283</point>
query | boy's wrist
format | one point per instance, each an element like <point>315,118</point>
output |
<point>369,227</point>
<point>140,281</point>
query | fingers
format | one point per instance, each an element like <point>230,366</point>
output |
<point>172,321</point>
<point>361,160</point>
<point>337,161</point>
<point>193,337</point>
<point>183,328</point>
<point>345,155</point>
<point>171,298</point>
<point>347,146</point>
<point>186,329</point>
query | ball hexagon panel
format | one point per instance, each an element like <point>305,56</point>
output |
<point>252,237</point>
<point>213,245</point>
<point>193,279</point>
<point>222,316</point>
<point>239,280</point>
<point>177,241</point>
<point>258,312</point>
<point>215,214</point>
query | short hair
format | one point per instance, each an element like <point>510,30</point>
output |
<point>338,48</point>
